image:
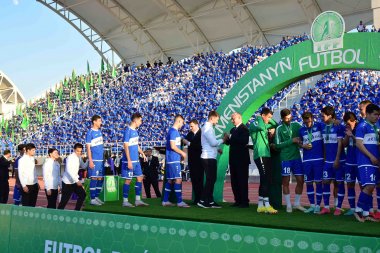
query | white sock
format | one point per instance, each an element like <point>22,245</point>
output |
<point>312,205</point>
<point>371,210</point>
<point>365,213</point>
<point>287,200</point>
<point>260,203</point>
<point>266,202</point>
<point>297,200</point>
<point>335,202</point>
<point>138,197</point>
<point>125,199</point>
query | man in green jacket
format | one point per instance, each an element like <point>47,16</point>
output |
<point>287,140</point>
<point>259,130</point>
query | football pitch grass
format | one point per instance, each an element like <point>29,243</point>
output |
<point>297,220</point>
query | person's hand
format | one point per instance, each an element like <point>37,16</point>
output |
<point>348,132</point>
<point>226,137</point>
<point>79,183</point>
<point>272,146</point>
<point>91,165</point>
<point>336,164</point>
<point>144,158</point>
<point>374,160</point>
<point>296,140</point>
<point>271,131</point>
<point>48,192</point>
<point>220,151</point>
<point>183,154</point>
<point>26,189</point>
<point>307,146</point>
<point>59,189</point>
<point>130,166</point>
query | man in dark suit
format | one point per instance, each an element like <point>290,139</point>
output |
<point>150,170</point>
<point>239,161</point>
<point>4,176</point>
<point>193,140</point>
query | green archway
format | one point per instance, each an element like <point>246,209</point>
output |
<point>359,51</point>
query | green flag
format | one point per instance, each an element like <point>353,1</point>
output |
<point>100,79</point>
<point>77,95</point>
<point>73,76</point>
<point>114,73</point>
<point>65,82</point>
<point>24,123</point>
<point>87,85</point>
<point>88,68</point>
<point>102,66</point>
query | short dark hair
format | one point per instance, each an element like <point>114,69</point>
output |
<point>20,147</point>
<point>78,145</point>
<point>365,102</point>
<point>349,116</point>
<point>307,115</point>
<point>6,152</point>
<point>371,108</point>
<point>329,111</point>
<point>266,111</point>
<point>95,118</point>
<point>285,112</point>
<point>29,146</point>
<point>194,121</point>
<point>177,116</point>
<point>149,149</point>
<point>136,115</point>
<point>213,114</point>
<point>51,150</point>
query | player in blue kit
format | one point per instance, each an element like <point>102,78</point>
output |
<point>351,166</point>
<point>367,143</point>
<point>333,170</point>
<point>130,162</point>
<point>95,154</point>
<point>173,163</point>
<point>312,145</point>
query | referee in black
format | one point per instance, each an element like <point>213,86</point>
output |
<point>193,140</point>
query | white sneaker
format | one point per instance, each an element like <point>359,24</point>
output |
<point>289,209</point>
<point>99,200</point>
<point>167,203</point>
<point>95,203</point>
<point>140,203</point>
<point>182,204</point>
<point>299,208</point>
<point>127,204</point>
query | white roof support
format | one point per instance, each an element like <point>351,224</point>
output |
<point>310,8</point>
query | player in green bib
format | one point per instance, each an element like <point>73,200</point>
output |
<point>287,140</point>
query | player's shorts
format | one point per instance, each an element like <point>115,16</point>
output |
<point>313,170</point>
<point>330,173</point>
<point>130,173</point>
<point>368,175</point>
<point>98,171</point>
<point>350,173</point>
<point>173,171</point>
<point>292,166</point>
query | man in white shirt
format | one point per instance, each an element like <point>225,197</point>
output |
<point>70,179</point>
<point>28,176</point>
<point>51,171</point>
<point>208,159</point>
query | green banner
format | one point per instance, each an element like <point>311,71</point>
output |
<point>59,231</point>
<point>360,51</point>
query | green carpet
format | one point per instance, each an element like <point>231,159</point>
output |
<point>248,217</point>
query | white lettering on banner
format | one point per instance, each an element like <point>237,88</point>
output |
<point>335,57</point>
<point>62,247</point>
<point>249,89</point>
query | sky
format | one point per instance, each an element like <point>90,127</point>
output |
<point>38,48</point>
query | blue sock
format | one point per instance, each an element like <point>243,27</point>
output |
<point>168,189</point>
<point>326,194</point>
<point>99,185</point>
<point>93,188</point>
<point>341,192</point>
<point>138,187</point>
<point>310,193</point>
<point>351,197</point>
<point>178,192</point>
<point>125,190</point>
<point>368,202</point>
<point>378,198</point>
<point>16,195</point>
<point>319,192</point>
<point>364,201</point>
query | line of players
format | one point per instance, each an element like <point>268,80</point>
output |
<point>325,160</point>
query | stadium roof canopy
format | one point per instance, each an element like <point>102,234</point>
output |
<point>9,93</point>
<point>140,30</point>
